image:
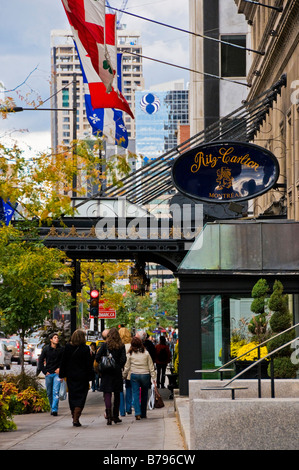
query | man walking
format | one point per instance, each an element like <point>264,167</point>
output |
<point>49,364</point>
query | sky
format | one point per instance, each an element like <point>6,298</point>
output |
<point>25,56</point>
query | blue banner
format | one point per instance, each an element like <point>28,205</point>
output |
<point>6,211</point>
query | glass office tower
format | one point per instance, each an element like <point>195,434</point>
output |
<point>157,117</point>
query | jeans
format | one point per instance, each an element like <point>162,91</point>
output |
<point>95,382</point>
<point>143,382</point>
<point>126,399</point>
<point>53,383</point>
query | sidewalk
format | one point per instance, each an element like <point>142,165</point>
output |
<point>163,429</point>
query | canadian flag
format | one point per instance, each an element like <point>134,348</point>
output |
<point>95,37</point>
<point>87,21</point>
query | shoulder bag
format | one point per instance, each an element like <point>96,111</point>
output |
<point>107,362</point>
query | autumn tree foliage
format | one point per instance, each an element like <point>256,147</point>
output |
<point>27,272</point>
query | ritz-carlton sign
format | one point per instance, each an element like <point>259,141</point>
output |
<point>225,171</point>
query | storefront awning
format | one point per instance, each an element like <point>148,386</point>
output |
<point>245,246</point>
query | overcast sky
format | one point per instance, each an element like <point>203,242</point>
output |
<point>25,54</point>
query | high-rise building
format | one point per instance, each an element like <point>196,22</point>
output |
<point>212,98</point>
<point>67,97</point>
<point>159,111</point>
<point>129,44</point>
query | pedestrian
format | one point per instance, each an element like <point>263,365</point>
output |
<point>150,347</point>
<point>163,357</point>
<point>147,343</point>
<point>104,334</point>
<point>139,368</point>
<point>77,368</point>
<point>111,380</point>
<point>126,395</point>
<point>96,379</point>
<point>49,364</point>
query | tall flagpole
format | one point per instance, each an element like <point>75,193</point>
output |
<point>74,194</point>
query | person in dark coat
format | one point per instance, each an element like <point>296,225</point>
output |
<point>77,367</point>
<point>163,357</point>
<point>96,379</point>
<point>49,364</point>
<point>111,380</point>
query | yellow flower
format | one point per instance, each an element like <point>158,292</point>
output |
<point>252,355</point>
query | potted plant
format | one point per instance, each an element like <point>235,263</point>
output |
<point>281,320</point>
<point>258,328</point>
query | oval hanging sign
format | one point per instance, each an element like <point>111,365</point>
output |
<point>225,171</point>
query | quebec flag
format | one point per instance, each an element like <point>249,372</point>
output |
<point>6,211</point>
<point>107,122</point>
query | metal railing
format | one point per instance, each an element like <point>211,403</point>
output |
<point>257,362</point>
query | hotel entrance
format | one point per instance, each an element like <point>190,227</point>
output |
<point>216,279</point>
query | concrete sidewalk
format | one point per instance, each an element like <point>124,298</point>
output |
<point>163,429</point>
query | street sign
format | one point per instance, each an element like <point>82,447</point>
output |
<point>106,312</point>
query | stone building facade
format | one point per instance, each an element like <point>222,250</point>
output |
<point>275,31</point>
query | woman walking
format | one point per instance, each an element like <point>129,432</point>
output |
<point>126,396</point>
<point>77,367</point>
<point>140,370</point>
<point>111,380</point>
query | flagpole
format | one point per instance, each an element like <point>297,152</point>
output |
<point>74,189</point>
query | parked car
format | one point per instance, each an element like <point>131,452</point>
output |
<point>36,352</point>
<point>27,354</point>
<point>32,342</point>
<point>5,356</point>
<point>14,346</point>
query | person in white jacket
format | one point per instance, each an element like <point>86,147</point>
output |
<point>139,368</point>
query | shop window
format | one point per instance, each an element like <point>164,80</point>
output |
<point>224,319</point>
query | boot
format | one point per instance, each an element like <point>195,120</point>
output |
<point>108,415</point>
<point>115,418</point>
<point>116,408</point>
<point>76,416</point>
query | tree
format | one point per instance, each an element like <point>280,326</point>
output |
<point>139,312</point>
<point>27,270</point>
<point>281,320</point>
<point>167,299</point>
<point>42,186</point>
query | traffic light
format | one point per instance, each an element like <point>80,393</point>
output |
<point>94,303</point>
<point>139,282</point>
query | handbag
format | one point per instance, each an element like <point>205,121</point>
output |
<point>63,390</point>
<point>159,403</point>
<point>107,363</point>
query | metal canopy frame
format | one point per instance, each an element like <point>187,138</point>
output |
<point>155,178</point>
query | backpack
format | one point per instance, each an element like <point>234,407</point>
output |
<point>163,355</point>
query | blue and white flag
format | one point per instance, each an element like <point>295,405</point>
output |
<point>6,211</point>
<point>106,122</point>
